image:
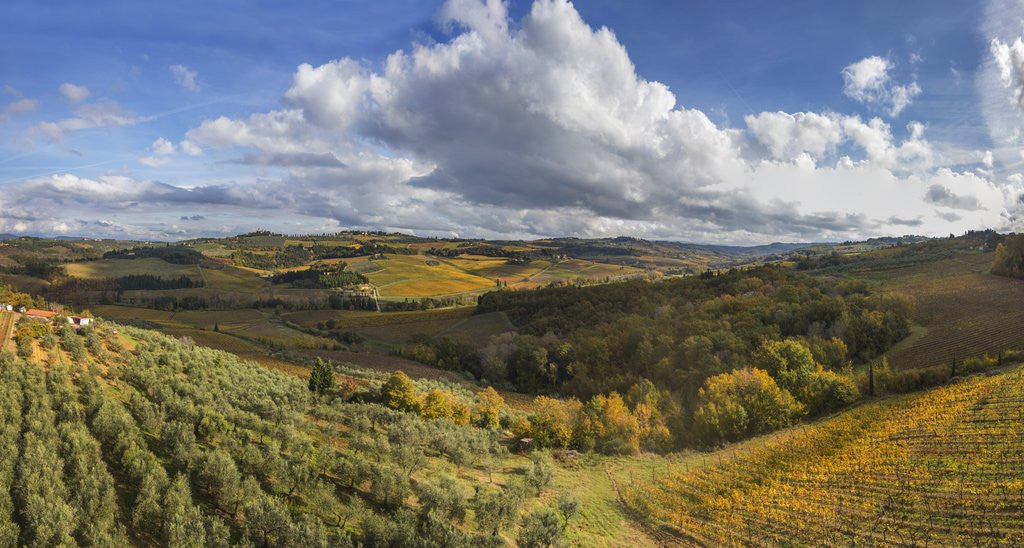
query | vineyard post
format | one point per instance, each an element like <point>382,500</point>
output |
<point>871,378</point>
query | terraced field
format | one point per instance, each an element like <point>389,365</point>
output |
<point>938,468</point>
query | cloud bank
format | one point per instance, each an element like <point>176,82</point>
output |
<point>542,126</point>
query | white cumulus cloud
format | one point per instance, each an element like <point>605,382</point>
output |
<point>1010,60</point>
<point>869,82</point>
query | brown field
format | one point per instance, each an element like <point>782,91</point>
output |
<point>386,363</point>
<point>116,312</point>
<point>351,319</point>
<point>266,330</point>
<point>207,318</point>
<point>964,311</point>
<point>459,324</point>
<point>478,329</point>
<point>213,339</point>
<point>400,333</point>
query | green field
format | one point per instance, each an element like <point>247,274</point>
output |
<point>578,269</point>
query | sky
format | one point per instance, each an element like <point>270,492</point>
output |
<point>734,122</point>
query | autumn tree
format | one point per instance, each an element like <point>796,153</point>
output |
<point>487,413</point>
<point>399,393</point>
<point>789,362</point>
<point>742,403</point>
<point>607,426</point>
<point>1009,257</point>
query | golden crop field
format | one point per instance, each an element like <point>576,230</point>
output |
<point>116,268</point>
<point>938,468</point>
<point>494,268</point>
<point>413,276</point>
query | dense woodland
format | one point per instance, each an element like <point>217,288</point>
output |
<point>678,332</point>
<point>291,256</point>
<point>131,282</point>
<point>172,254</point>
<point>713,358</point>
<point>320,276</point>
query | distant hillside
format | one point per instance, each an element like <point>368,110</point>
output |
<point>762,250</point>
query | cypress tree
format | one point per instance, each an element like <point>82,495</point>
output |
<point>321,379</point>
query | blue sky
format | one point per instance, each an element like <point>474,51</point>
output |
<point>740,122</point>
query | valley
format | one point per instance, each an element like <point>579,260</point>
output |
<point>632,399</point>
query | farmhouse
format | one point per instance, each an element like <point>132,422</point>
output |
<point>6,307</point>
<point>79,320</point>
<point>37,314</point>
